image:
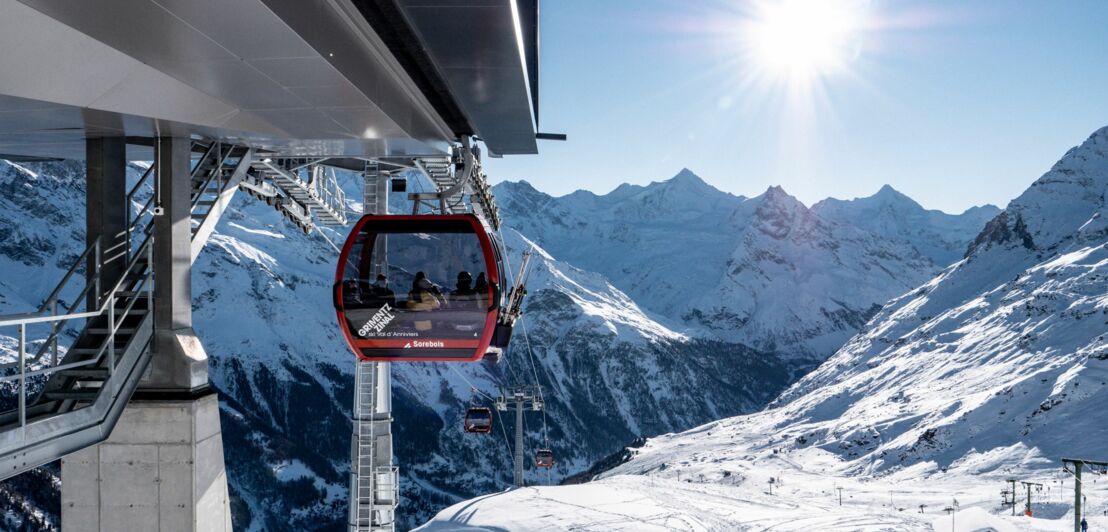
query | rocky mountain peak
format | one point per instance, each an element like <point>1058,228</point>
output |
<point>777,212</point>
<point>1066,205</point>
<point>687,177</point>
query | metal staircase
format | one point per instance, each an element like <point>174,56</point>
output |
<point>215,178</point>
<point>319,194</point>
<point>455,178</point>
<point>55,403</point>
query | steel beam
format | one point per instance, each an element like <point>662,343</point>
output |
<point>106,211</point>
<point>179,361</point>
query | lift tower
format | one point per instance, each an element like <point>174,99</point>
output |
<point>374,480</point>
<point>522,396</point>
<point>1078,464</point>
<point>1028,486</point>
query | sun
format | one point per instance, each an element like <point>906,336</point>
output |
<point>802,40</point>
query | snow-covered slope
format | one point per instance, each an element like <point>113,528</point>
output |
<point>766,271</point>
<point>994,369</point>
<point>1005,348</point>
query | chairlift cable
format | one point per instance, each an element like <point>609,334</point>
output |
<point>510,273</point>
<point>328,240</point>
<point>526,337</point>
<point>509,278</point>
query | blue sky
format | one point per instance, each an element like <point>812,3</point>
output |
<point>955,103</point>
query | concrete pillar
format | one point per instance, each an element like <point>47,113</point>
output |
<point>105,208</point>
<point>179,361</point>
<point>161,470</point>
<point>162,467</point>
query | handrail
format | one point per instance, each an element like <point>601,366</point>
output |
<point>104,307</point>
<point>33,319</point>
<point>69,273</point>
<point>46,303</point>
<point>24,319</point>
<point>216,174</point>
<point>127,233</point>
<point>51,369</point>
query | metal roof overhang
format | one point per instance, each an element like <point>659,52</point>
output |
<point>297,77</point>
<point>483,53</point>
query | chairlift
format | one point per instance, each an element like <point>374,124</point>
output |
<point>419,288</point>
<point>544,458</point>
<point>478,419</point>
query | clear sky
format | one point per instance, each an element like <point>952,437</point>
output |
<point>955,103</point>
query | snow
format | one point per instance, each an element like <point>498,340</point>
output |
<point>994,369</point>
<point>680,484</point>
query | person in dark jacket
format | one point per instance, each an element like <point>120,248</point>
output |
<point>381,294</point>
<point>464,297</point>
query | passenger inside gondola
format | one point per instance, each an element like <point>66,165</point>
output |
<point>464,297</point>
<point>380,294</point>
<point>351,296</point>
<point>424,295</point>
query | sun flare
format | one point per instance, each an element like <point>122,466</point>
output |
<point>801,40</point>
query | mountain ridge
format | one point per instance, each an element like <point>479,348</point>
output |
<point>689,233</point>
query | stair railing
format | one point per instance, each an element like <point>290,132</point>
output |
<point>48,311</point>
<point>116,318</point>
<point>325,187</point>
<point>103,303</point>
<point>133,220</point>
<point>214,174</point>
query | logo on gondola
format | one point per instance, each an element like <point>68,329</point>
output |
<point>378,322</point>
<point>424,344</point>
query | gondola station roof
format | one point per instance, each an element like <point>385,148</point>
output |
<point>358,78</point>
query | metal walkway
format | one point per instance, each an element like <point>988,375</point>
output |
<point>320,193</point>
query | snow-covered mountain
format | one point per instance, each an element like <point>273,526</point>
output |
<point>766,271</point>
<point>613,371</point>
<point>615,366</point>
<point>939,236</point>
<point>1004,351</point>
<point>994,369</point>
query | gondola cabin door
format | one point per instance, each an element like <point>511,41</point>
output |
<point>423,288</point>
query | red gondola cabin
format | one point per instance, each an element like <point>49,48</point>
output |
<point>478,420</point>
<point>423,288</point>
<point>544,458</point>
